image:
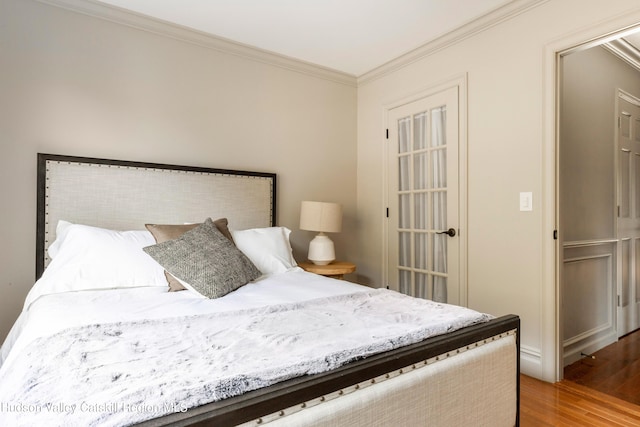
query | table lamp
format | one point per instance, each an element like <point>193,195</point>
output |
<point>325,218</point>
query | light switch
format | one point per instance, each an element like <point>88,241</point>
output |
<point>526,201</point>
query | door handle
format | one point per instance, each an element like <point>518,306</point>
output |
<point>450,232</point>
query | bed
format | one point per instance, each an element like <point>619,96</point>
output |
<point>131,323</point>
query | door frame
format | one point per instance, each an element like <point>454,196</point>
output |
<point>459,82</point>
<point>548,362</point>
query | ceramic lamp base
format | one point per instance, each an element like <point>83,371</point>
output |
<point>321,250</point>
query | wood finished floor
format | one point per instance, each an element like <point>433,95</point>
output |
<point>569,404</point>
<point>614,371</point>
<point>604,391</point>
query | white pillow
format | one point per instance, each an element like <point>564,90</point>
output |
<point>268,248</point>
<point>60,233</point>
<point>85,257</point>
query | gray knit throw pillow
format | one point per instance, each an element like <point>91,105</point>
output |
<point>206,260</point>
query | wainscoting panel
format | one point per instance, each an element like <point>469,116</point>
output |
<point>588,297</point>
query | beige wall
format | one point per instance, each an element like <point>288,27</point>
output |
<point>590,79</point>
<point>510,149</point>
<point>77,85</point>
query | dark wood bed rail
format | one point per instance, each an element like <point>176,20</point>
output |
<point>258,403</point>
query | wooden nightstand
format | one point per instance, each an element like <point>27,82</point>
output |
<point>337,269</point>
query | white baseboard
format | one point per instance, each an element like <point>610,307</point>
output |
<point>530,361</point>
<point>574,353</point>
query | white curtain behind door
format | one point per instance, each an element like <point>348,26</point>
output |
<point>422,204</point>
<point>439,171</point>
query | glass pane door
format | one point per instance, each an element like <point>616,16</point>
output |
<point>420,196</point>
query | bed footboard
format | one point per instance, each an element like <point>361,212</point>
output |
<point>389,383</point>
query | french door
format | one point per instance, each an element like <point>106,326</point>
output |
<point>422,198</point>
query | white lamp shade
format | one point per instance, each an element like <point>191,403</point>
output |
<point>321,216</point>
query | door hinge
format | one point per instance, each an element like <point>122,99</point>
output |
<point>387,212</point>
<point>387,133</point>
<point>618,300</point>
<point>555,234</point>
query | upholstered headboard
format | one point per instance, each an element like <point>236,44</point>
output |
<point>124,195</point>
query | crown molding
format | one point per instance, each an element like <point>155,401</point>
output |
<point>491,19</point>
<point>163,28</point>
<point>625,51</point>
<point>156,26</point>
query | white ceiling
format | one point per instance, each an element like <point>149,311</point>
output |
<point>352,36</point>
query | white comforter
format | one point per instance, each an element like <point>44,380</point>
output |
<point>45,314</point>
<point>147,353</point>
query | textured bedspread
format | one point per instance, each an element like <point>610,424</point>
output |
<point>122,373</point>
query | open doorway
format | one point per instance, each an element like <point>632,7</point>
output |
<point>599,264</point>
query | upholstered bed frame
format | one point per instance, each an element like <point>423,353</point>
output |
<point>454,379</point>
<point>122,195</point>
